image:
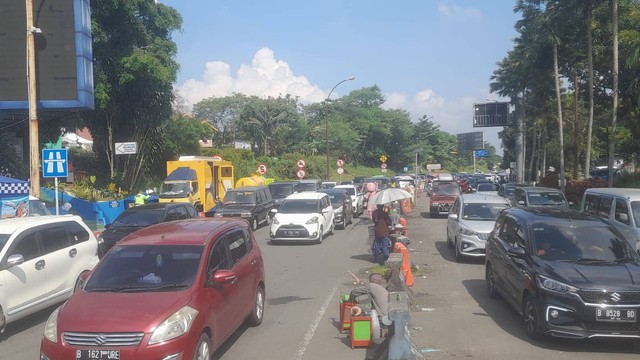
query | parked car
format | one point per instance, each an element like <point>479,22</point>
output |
<point>138,217</point>
<point>251,203</point>
<point>506,190</point>
<point>470,221</point>
<point>357,198</point>
<point>280,190</point>
<point>568,273</point>
<point>342,206</point>
<point>443,195</point>
<point>487,188</point>
<point>310,185</point>
<point>539,196</point>
<point>175,290</point>
<point>41,261</point>
<point>621,206</point>
<point>306,216</point>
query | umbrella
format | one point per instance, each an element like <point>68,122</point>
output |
<point>389,195</point>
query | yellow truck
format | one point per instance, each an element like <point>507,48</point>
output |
<point>199,180</point>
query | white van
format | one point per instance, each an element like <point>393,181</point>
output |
<point>621,206</point>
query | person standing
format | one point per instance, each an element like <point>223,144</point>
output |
<point>140,198</point>
<point>381,244</point>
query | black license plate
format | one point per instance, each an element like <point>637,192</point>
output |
<point>291,233</point>
<point>97,354</point>
<point>616,315</point>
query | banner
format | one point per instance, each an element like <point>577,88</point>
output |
<point>14,207</point>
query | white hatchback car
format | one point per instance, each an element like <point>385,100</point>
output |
<point>305,216</point>
<point>357,198</point>
<point>470,221</point>
<point>41,261</point>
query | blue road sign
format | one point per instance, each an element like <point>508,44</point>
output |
<point>54,163</point>
<point>482,153</point>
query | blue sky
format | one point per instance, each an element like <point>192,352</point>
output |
<point>430,58</point>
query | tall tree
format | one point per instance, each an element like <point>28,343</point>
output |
<point>614,110</point>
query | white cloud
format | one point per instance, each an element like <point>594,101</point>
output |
<point>459,13</point>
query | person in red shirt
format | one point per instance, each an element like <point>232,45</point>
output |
<point>382,224</point>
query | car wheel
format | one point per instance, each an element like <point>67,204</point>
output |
<point>531,318</point>
<point>459,255</point>
<point>255,319</point>
<point>321,235</point>
<point>491,282</point>
<point>203,349</point>
<point>254,223</point>
<point>449,243</point>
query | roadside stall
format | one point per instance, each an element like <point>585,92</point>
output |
<point>14,198</point>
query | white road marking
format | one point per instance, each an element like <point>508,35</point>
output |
<point>314,325</point>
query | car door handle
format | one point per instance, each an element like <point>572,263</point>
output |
<point>40,265</point>
<point>73,252</point>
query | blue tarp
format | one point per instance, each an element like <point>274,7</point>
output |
<point>182,173</point>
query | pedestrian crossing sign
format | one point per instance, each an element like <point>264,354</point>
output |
<point>55,163</point>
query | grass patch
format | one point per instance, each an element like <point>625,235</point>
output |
<point>380,269</point>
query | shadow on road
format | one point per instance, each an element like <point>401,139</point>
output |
<point>503,314</point>
<point>28,322</point>
<point>449,255</point>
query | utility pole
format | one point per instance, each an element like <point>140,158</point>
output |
<point>520,140</point>
<point>34,153</point>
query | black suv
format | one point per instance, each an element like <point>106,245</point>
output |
<point>568,273</point>
<point>280,190</point>
<point>141,216</point>
<point>251,203</point>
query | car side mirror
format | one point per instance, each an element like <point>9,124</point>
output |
<point>325,210</point>
<point>517,252</point>
<point>15,260</point>
<point>224,277</point>
<point>453,217</point>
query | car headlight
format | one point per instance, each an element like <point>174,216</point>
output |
<point>467,231</point>
<point>313,220</point>
<point>553,285</point>
<point>175,325</point>
<point>51,327</point>
<point>245,215</point>
<point>339,210</point>
<point>275,221</point>
<point>100,239</point>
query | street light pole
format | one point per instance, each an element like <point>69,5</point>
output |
<point>326,121</point>
<point>34,154</point>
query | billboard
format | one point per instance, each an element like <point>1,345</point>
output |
<point>491,114</point>
<point>470,141</point>
<point>64,60</point>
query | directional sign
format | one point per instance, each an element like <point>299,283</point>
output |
<point>126,148</point>
<point>340,171</point>
<point>383,165</point>
<point>300,164</point>
<point>383,158</point>
<point>54,163</point>
<point>301,174</point>
<point>482,153</point>
<point>262,169</point>
<point>340,163</point>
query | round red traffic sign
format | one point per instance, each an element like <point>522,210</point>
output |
<point>301,174</point>
<point>262,169</point>
<point>301,164</point>
<point>340,163</point>
<point>340,171</point>
<point>383,165</point>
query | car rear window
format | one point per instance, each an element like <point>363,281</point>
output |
<point>279,191</point>
<point>482,211</point>
<point>446,189</point>
<point>299,206</point>
<point>307,187</point>
<point>546,198</point>
<point>351,191</point>
<point>240,197</point>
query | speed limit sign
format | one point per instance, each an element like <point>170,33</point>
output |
<point>340,163</point>
<point>262,169</point>
<point>301,174</point>
<point>340,171</point>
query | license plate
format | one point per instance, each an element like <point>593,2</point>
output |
<point>97,354</point>
<point>617,315</point>
<point>291,233</point>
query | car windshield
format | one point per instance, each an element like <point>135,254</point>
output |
<point>239,197</point>
<point>351,191</point>
<point>446,189</point>
<point>140,218</point>
<point>546,198</point>
<point>37,207</point>
<point>280,191</point>
<point>509,190</point>
<point>146,268</point>
<point>482,211</point>
<point>307,186</point>
<point>635,212</point>
<point>175,188</point>
<point>299,206</point>
<point>336,198</point>
<point>3,240</point>
<point>580,243</point>
<point>487,187</point>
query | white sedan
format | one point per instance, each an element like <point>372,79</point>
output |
<point>305,216</point>
<point>470,221</point>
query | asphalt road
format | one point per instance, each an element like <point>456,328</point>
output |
<point>454,317</point>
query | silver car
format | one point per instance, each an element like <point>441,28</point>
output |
<point>470,221</point>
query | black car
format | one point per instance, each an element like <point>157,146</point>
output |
<point>280,190</point>
<point>141,216</point>
<point>252,203</point>
<point>342,206</point>
<point>568,273</point>
<point>506,190</point>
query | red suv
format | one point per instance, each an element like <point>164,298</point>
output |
<point>443,195</point>
<point>161,293</point>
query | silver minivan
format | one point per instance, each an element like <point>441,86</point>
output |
<point>621,206</point>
